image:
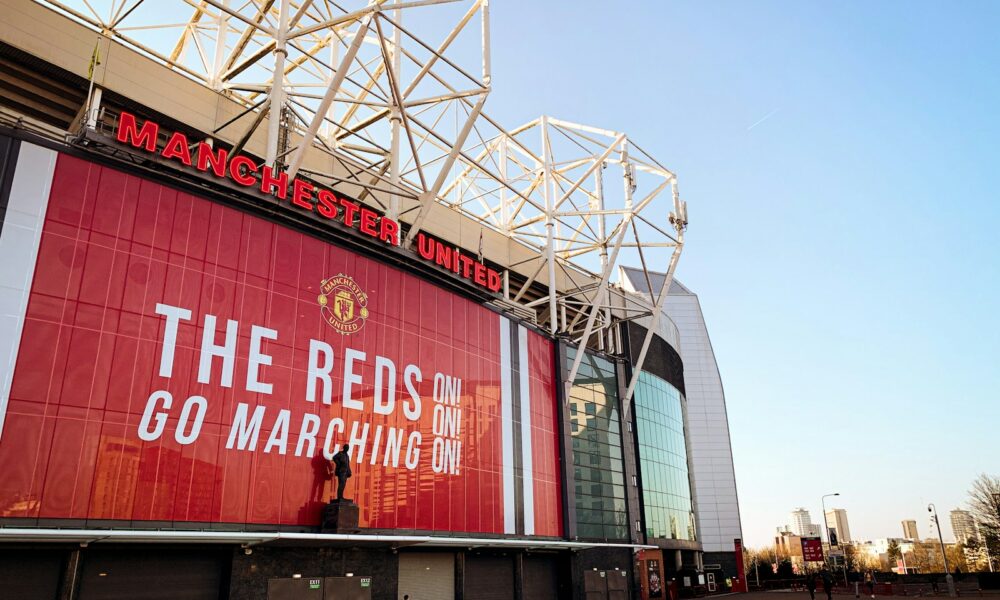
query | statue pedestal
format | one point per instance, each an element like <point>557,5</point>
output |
<point>340,517</point>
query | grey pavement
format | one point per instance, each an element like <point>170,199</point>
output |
<point>842,595</point>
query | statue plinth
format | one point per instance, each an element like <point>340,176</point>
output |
<point>340,516</point>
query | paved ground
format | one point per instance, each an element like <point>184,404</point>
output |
<point>785,595</point>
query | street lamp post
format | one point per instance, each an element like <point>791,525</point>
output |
<point>947,572</point>
<point>826,524</point>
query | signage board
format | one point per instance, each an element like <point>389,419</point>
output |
<point>187,363</point>
<point>655,583</point>
<point>298,193</point>
<point>812,549</point>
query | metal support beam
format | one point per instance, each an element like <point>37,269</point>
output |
<point>331,92</point>
<point>582,349</point>
<point>657,312</point>
<point>623,228</point>
<point>679,220</point>
<point>277,85</point>
<point>430,196</point>
<point>550,223</point>
<point>395,118</point>
<point>221,28</point>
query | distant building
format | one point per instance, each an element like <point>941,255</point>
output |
<point>801,523</point>
<point>910,529</point>
<point>964,526</point>
<point>836,519</point>
<point>788,545</point>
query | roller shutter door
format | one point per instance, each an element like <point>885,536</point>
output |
<point>489,578</point>
<point>31,574</point>
<point>541,577</point>
<point>427,576</point>
<point>151,574</point>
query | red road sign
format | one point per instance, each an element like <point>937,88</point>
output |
<point>812,549</point>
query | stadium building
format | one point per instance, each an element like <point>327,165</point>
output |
<point>237,237</point>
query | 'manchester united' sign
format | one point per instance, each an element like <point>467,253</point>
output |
<point>301,194</point>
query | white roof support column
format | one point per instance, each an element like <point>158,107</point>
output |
<point>485,20</point>
<point>277,84</point>
<point>550,225</point>
<point>395,118</point>
<point>221,28</point>
<point>602,233</point>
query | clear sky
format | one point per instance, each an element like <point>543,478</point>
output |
<point>841,162</point>
<point>841,165</point>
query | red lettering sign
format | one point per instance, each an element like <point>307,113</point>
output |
<point>242,170</point>
<point>452,259</point>
<point>304,195</point>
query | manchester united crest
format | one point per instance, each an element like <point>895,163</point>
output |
<point>343,304</point>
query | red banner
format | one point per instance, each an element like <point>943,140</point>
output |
<point>182,361</point>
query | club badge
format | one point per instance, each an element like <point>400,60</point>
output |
<point>343,304</point>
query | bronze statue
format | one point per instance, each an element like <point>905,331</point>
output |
<point>342,471</point>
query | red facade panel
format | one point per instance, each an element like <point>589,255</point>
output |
<point>101,424</point>
<point>544,436</point>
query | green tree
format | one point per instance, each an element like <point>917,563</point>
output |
<point>956,557</point>
<point>991,552</point>
<point>785,570</point>
<point>893,551</point>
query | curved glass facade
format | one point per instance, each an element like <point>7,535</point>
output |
<point>597,450</point>
<point>666,487</point>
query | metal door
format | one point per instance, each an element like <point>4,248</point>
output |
<point>294,588</point>
<point>617,585</point>
<point>595,585</point>
<point>347,588</point>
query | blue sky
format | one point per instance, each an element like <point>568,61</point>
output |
<point>844,248</point>
<point>838,162</point>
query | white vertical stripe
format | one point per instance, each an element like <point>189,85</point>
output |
<point>507,430</point>
<point>19,240</point>
<point>528,470</point>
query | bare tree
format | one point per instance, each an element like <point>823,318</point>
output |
<point>984,504</point>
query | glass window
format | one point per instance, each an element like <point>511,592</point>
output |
<point>666,494</point>
<point>597,450</point>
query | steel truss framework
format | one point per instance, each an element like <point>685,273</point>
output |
<point>398,108</point>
